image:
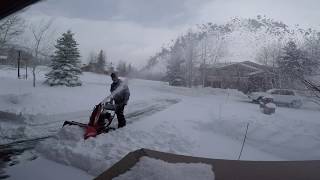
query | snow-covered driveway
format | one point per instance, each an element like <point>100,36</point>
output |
<point>201,122</point>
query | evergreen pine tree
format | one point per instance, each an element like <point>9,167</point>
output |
<point>101,62</point>
<point>174,71</point>
<point>65,63</point>
<point>110,67</point>
<point>122,68</point>
<point>129,69</point>
<point>293,64</point>
<point>92,62</point>
<point>175,65</point>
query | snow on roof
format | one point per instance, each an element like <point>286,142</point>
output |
<point>258,68</point>
<point>254,64</point>
<point>223,65</point>
<point>248,66</point>
<point>3,57</point>
<point>256,72</point>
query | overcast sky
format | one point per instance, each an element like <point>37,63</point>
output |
<point>133,30</point>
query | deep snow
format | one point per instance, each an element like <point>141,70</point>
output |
<point>198,121</point>
<point>44,169</point>
<point>155,169</point>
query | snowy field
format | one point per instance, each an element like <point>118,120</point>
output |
<point>199,122</point>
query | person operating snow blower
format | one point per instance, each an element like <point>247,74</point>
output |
<point>121,97</point>
<point>103,113</point>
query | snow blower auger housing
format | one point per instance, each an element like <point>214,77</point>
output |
<point>100,120</point>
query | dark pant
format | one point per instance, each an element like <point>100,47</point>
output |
<point>120,116</point>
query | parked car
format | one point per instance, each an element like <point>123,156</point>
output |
<point>177,82</point>
<point>280,97</point>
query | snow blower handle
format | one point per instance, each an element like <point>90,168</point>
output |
<point>109,106</point>
<point>108,99</point>
<point>122,86</point>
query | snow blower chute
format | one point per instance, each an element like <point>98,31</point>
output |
<point>100,120</point>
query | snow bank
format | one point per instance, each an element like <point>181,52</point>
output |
<point>95,155</point>
<point>8,132</point>
<point>15,98</point>
<point>154,169</point>
<point>42,168</point>
<point>13,130</point>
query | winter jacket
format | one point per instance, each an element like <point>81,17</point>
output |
<point>123,95</point>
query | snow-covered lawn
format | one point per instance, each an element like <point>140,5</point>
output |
<point>200,122</point>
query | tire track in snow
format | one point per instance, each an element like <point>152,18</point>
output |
<point>154,108</point>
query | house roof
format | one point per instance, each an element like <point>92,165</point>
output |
<point>259,66</point>
<point>247,64</point>
<point>224,169</point>
<point>254,68</point>
<point>8,7</point>
<point>256,72</point>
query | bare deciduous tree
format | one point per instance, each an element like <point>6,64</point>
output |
<point>10,28</point>
<point>191,56</point>
<point>213,48</point>
<point>40,33</point>
<point>269,54</point>
<point>311,45</point>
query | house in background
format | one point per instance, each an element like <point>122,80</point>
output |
<point>245,76</point>
<point>3,58</point>
<point>11,53</point>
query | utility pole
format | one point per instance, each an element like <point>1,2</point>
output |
<point>19,55</point>
<point>26,69</point>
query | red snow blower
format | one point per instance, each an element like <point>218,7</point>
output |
<point>100,120</point>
